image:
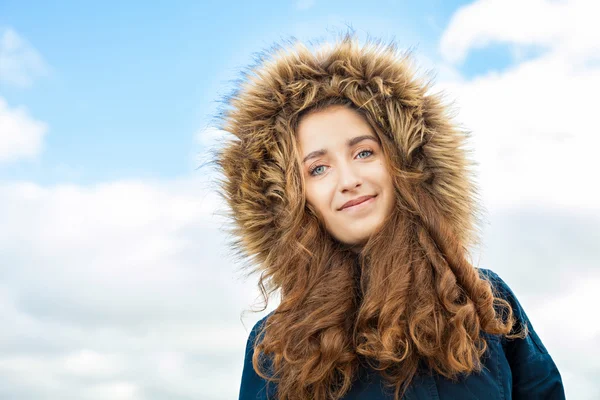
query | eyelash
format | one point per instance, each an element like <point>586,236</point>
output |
<point>311,169</point>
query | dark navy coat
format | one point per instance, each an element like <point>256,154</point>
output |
<point>513,369</point>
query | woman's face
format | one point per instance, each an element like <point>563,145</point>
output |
<point>342,160</point>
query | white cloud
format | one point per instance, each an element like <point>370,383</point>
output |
<point>119,290</point>
<point>534,124</point>
<point>86,362</point>
<point>20,63</point>
<point>566,26</point>
<point>114,390</point>
<point>534,133</point>
<point>21,136</point>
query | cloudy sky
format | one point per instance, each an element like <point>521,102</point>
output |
<point>115,278</point>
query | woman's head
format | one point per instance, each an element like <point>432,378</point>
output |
<point>265,186</point>
<point>341,160</point>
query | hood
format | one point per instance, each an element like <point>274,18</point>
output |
<point>287,79</point>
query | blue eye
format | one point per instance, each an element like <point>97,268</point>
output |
<point>312,169</point>
<point>366,151</point>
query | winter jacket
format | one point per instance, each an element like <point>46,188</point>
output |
<point>513,369</point>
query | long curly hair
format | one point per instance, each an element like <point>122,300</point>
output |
<point>409,301</point>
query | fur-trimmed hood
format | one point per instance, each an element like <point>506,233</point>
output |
<point>375,77</point>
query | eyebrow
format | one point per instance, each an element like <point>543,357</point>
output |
<point>349,143</point>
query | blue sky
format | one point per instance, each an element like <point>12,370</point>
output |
<point>127,86</point>
<point>116,279</point>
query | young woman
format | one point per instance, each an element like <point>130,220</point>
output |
<point>350,193</point>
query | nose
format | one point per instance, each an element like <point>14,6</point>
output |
<point>349,177</point>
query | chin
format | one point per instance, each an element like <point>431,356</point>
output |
<point>366,234</point>
<point>355,241</point>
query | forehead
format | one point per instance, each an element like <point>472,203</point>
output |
<point>332,126</point>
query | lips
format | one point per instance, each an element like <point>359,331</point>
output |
<point>356,201</point>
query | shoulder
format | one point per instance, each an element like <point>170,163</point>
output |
<point>499,286</point>
<point>256,330</point>
<point>534,373</point>
<point>522,322</point>
<point>501,289</point>
<point>490,275</point>
<point>252,385</point>
<point>254,337</point>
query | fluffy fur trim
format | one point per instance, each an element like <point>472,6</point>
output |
<point>260,111</point>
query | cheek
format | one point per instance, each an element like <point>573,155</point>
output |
<point>310,195</point>
<point>318,197</point>
<point>387,185</point>
<point>386,177</point>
